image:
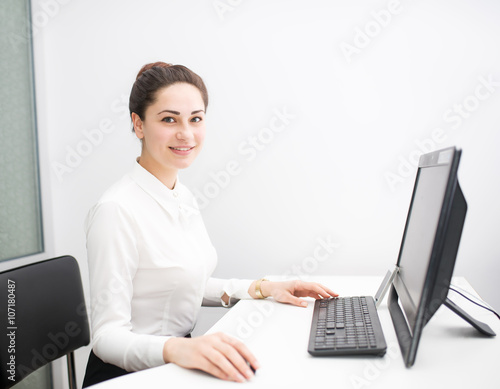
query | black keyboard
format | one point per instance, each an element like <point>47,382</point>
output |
<point>346,326</point>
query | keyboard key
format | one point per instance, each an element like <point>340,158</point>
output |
<point>344,346</point>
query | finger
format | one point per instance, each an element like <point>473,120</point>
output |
<point>221,362</point>
<point>209,367</point>
<point>235,358</point>
<point>329,291</point>
<point>319,291</point>
<point>243,351</point>
<point>290,299</point>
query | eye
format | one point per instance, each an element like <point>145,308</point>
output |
<point>168,119</point>
<point>196,119</point>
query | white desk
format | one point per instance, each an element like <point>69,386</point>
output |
<point>451,353</point>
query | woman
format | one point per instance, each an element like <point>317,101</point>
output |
<point>150,257</point>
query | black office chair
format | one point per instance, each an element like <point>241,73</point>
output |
<point>43,316</point>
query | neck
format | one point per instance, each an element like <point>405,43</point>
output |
<point>167,176</point>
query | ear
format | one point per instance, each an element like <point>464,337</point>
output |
<point>138,125</point>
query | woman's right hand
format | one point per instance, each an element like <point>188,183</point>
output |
<point>218,354</point>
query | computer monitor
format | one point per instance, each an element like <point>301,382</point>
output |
<point>428,250</point>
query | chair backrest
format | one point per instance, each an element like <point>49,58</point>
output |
<point>43,316</point>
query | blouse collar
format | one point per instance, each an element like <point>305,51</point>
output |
<point>177,201</point>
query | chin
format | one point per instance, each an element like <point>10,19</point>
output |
<point>183,164</point>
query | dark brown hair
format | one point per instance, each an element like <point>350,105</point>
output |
<point>158,75</point>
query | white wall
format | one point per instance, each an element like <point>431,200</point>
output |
<point>356,109</point>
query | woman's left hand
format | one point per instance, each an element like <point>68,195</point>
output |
<point>288,292</point>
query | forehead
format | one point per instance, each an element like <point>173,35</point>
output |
<point>180,97</point>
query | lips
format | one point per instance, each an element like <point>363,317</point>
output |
<point>184,150</point>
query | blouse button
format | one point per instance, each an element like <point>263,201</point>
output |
<point>175,194</point>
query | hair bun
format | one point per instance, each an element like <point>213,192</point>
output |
<point>158,75</point>
<point>153,65</point>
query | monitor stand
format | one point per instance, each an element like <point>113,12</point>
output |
<point>384,286</point>
<point>478,325</point>
<point>407,342</point>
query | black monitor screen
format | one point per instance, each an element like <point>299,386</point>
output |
<point>428,248</point>
<point>419,238</point>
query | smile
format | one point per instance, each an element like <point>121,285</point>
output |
<point>182,151</point>
<point>182,148</point>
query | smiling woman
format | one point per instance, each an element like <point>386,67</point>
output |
<point>150,257</point>
<point>161,106</point>
<point>171,137</point>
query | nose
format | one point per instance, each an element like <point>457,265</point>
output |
<point>184,132</point>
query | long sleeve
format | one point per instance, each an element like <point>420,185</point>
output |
<point>113,260</point>
<point>236,289</point>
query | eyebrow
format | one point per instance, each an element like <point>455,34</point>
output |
<point>178,113</point>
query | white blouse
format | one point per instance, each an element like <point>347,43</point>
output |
<point>150,266</point>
